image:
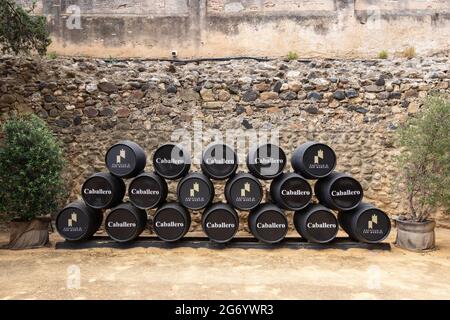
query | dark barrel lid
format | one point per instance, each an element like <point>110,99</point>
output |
<point>313,160</point>
<point>266,161</point>
<point>195,191</point>
<point>316,223</point>
<point>346,192</point>
<point>243,191</point>
<point>322,226</point>
<point>291,191</point>
<point>171,161</point>
<point>373,224</point>
<point>125,159</point>
<point>72,223</point>
<point>171,222</point>
<point>219,161</point>
<point>102,190</point>
<point>147,190</point>
<point>220,222</point>
<point>76,220</point>
<point>123,223</point>
<point>269,223</point>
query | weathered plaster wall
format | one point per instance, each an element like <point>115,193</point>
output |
<point>211,28</point>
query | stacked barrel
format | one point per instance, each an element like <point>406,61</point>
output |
<point>268,222</point>
<point>335,191</point>
<point>105,191</point>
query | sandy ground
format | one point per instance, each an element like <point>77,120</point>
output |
<point>187,273</point>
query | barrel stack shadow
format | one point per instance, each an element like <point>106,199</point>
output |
<point>338,197</point>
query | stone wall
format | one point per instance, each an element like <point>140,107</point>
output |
<point>355,106</point>
<point>211,28</point>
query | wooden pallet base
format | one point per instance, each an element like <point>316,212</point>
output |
<point>341,243</point>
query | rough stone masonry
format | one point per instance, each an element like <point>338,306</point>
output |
<point>355,106</point>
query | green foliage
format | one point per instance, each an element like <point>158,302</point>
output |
<point>409,52</point>
<point>52,55</point>
<point>292,55</point>
<point>31,161</point>
<point>383,54</point>
<point>111,60</point>
<point>425,158</point>
<point>20,31</point>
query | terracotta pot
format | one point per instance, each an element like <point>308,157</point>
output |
<point>28,234</point>
<point>415,236</point>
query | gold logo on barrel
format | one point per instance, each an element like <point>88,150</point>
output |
<point>120,156</point>
<point>373,221</point>
<point>245,189</point>
<point>319,156</point>
<point>72,219</point>
<point>195,188</point>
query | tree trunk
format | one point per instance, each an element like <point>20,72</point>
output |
<point>411,205</point>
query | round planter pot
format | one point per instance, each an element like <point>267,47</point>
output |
<point>28,234</point>
<point>415,236</point>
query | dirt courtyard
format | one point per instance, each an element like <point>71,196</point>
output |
<point>187,273</point>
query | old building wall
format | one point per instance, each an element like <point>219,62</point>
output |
<point>211,28</point>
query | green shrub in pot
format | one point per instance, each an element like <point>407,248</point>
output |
<point>31,162</point>
<point>424,161</point>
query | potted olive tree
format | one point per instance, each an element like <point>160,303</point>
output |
<point>31,161</point>
<point>425,165</point>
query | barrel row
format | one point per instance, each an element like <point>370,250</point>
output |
<point>220,222</point>
<point>312,160</point>
<point>195,191</point>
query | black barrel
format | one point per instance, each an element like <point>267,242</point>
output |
<point>316,223</point>
<point>147,190</point>
<point>219,161</point>
<point>266,161</point>
<point>243,191</point>
<point>125,222</point>
<point>365,223</point>
<point>220,222</point>
<point>339,191</point>
<point>125,159</point>
<point>171,161</point>
<point>171,222</point>
<point>291,191</point>
<point>77,221</point>
<point>313,160</point>
<point>268,223</point>
<point>103,191</point>
<point>195,191</point>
